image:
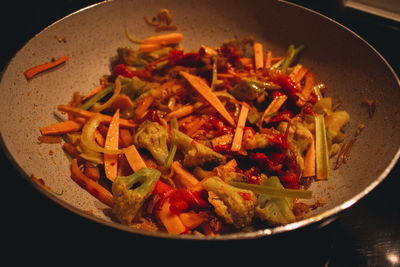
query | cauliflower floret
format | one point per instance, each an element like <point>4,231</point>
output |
<point>253,140</point>
<point>236,206</point>
<point>300,138</point>
<point>335,121</point>
<point>197,154</point>
<point>276,211</point>
<point>153,137</point>
<point>126,201</point>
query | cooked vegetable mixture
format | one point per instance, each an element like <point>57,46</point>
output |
<point>207,142</point>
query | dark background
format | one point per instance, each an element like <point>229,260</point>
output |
<point>36,230</point>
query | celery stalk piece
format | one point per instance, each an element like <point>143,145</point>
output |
<point>321,148</point>
<point>94,99</point>
<point>174,146</point>
<point>273,191</point>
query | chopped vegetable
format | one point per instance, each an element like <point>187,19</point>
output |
<point>235,205</point>
<point>88,114</point>
<point>321,149</point>
<point>153,137</point>
<point>258,55</point>
<point>134,159</point>
<point>91,186</point>
<point>202,88</point>
<point>61,128</point>
<point>130,192</point>
<point>111,142</point>
<point>237,139</point>
<point>88,139</point>
<point>30,73</point>
<point>207,142</point>
<point>273,191</point>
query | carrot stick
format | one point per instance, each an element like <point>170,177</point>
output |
<point>191,219</point>
<point>203,89</point>
<point>88,114</point>
<point>30,73</point>
<point>164,39</point>
<point>237,139</point>
<point>295,71</point>
<point>93,92</point>
<point>150,47</point>
<point>258,55</point>
<point>181,112</point>
<point>194,127</point>
<point>61,127</point>
<point>182,177</point>
<point>112,138</point>
<point>268,59</point>
<point>91,186</point>
<point>300,74</point>
<point>92,171</point>
<point>99,138</point>
<point>149,99</point>
<point>71,150</point>
<point>171,221</point>
<point>273,107</point>
<point>307,89</point>
<point>309,160</point>
<point>126,137</point>
<point>134,159</point>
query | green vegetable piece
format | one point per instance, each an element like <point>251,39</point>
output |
<point>97,97</point>
<point>321,148</point>
<point>174,146</point>
<point>273,191</point>
<point>275,210</point>
<point>130,192</point>
<point>248,89</point>
<point>197,154</point>
<point>153,137</point>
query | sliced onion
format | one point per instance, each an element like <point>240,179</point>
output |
<point>88,140</point>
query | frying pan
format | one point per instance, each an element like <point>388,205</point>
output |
<point>352,69</point>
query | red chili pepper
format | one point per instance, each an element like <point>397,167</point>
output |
<point>284,115</point>
<point>162,188</point>
<point>219,126</point>
<point>290,180</point>
<point>245,195</point>
<point>288,86</point>
<point>180,199</point>
<point>222,149</point>
<point>177,57</point>
<point>121,69</point>
<point>264,161</point>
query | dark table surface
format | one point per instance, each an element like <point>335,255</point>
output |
<point>40,231</point>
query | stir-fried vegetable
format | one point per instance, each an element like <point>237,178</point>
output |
<point>204,142</point>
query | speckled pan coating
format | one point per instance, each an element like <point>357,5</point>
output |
<point>352,69</point>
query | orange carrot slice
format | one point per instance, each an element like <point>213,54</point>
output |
<point>237,139</point>
<point>61,128</point>
<point>134,159</point>
<point>258,55</point>
<point>204,90</point>
<point>30,73</point>
<point>91,186</point>
<point>88,114</point>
